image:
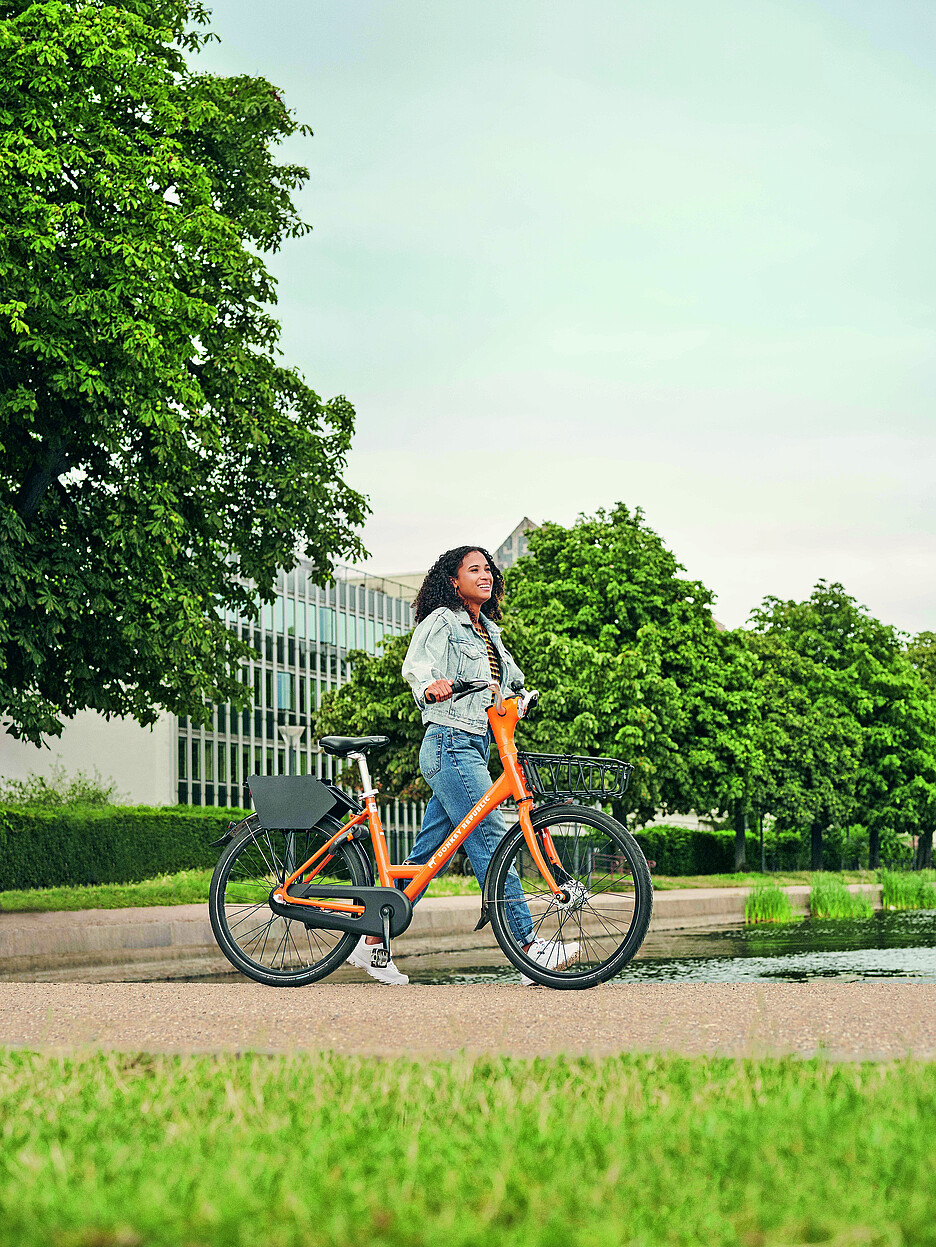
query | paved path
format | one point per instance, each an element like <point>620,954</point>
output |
<point>844,1020</point>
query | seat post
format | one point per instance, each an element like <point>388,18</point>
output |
<point>361,760</point>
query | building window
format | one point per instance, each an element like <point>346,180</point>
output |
<point>222,764</point>
<point>327,625</point>
<point>269,691</point>
<point>183,759</point>
<point>285,690</point>
<point>209,761</point>
<point>196,760</point>
<point>278,621</point>
<point>233,764</point>
<point>291,616</point>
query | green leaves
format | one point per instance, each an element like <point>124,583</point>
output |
<point>150,442</point>
<point>624,649</point>
<point>848,723</point>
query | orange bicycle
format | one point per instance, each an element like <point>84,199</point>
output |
<point>294,890</point>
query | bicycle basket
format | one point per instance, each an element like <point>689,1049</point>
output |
<point>565,775</point>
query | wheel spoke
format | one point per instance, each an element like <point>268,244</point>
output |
<point>262,942</point>
<point>603,907</point>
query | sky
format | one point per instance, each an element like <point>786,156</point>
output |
<point>675,254</point>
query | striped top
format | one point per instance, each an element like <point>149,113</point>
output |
<point>491,652</point>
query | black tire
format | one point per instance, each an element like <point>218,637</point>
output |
<point>601,859</point>
<point>279,952</point>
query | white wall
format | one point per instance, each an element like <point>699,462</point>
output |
<point>141,761</point>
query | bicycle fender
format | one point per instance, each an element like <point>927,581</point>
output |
<point>537,815</point>
<point>232,831</point>
<point>368,923</point>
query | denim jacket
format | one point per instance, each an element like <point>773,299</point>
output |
<point>446,647</point>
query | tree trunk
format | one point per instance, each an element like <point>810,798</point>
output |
<point>874,848</point>
<point>740,840</point>
<point>923,858</point>
<point>815,846</point>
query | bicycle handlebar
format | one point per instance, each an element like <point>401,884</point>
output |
<point>463,688</point>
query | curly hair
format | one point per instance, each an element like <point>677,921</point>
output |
<point>437,589</point>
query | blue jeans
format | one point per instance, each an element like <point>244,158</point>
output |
<point>454,765</point>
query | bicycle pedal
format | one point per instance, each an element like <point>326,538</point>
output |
<point>381,958</point>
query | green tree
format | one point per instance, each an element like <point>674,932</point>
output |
<point>922,653</point>
<point>155,458</point>
<point>846,689</point>
<point>632,664</point>
<point>806,741</point>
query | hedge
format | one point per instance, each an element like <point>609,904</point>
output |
<point>116,844</point>
<point>686,851</point>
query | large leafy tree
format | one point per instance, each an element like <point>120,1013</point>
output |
<point>854,722</point>
<point>807,743</point>
<point>156,460</point>
<point>632,663</point>
<point>921,652</point>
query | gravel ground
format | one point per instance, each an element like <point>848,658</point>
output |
<point>847,1021</point>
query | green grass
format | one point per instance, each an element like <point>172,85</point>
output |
<point>908,890</point>
<point>766,902</point>
<point>328,1151</point>
<point>185,888</point>
<point>190,886</point>
<point>830,898</point>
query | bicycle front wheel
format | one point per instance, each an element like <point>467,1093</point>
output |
<point>597,924</point>
<point>280,952</point>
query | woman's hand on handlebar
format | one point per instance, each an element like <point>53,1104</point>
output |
<point>438,690</point>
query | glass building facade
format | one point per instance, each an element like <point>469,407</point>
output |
<point>303,639</point>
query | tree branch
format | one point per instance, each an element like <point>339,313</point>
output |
<point>47,468</point>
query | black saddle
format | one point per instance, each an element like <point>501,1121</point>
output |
<point>341,746</point>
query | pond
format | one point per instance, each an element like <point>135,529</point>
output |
<point>884,946</point>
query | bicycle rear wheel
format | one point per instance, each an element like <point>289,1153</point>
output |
<point>602,916</point>
<point>279,952</point>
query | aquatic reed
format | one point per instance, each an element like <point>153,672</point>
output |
<point>908,889</point>
<point>767,902</point>
<point>829,897</point>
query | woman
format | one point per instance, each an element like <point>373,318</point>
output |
<point>456,637</point>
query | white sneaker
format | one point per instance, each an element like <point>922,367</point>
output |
<point>551,955</point>
<point>364,957</point>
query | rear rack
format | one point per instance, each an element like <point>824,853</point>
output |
<point>566,775</point>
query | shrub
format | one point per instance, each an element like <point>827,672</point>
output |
<point>830,898</point>
<point>686,851</point>
<point>908,890</point>
<point>767,902</point>
<point>40,848</point>
<point>58,789</point>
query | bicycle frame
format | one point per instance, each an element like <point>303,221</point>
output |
<point>503,717</point>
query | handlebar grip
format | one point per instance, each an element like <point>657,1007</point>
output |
<point>459,689</point>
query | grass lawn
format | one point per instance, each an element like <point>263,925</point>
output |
<point>328,1151</point>
<point>185,888</point>
<point>190,886</point>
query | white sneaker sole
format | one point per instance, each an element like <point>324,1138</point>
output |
<point>562,965</point>
<point>363,962</point>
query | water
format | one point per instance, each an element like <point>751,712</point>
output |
<point>884,946</point>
